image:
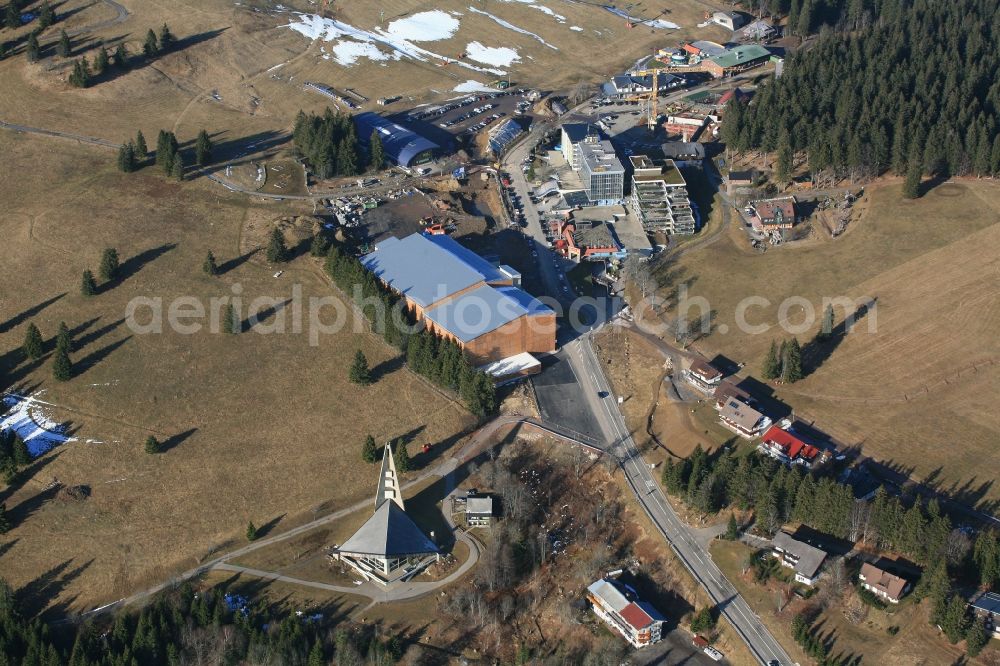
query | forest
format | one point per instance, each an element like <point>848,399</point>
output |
<point>912,90</point>
<point>329,142</point>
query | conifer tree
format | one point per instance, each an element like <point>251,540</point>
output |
<point>319,246</point>
<point>152,445</point>
<point>772,365</point>
<point>33,345</point>
<point>12,16</point>
<point>21,455</point>
<point>401,456</point>
<point>732,528</point>
<point>177,167</point>
<point>251,531</point>
<point>976,638</point>
<point>88,286</point>
<point>703,620</point>
<point>108,270</point>
<point>376,151</point>
<point>791,362</point>
<point>141,149</point>
<point>276,250</point>
<point>5,524</point>
<point>166,38</point>
<point>80,76</point>
<point>32,50</point>
<point>209,266</point>
<point>368,451</point>
<point>911,186</point>
<point>62,367</point>
<point>64,340</point>
<point>102,61</point>
<point>826,326</point>
<point>121,57</point>
<point>360,373</point>
<point>203,149</point>
<point>230,322</point>
<point>955,620</point>
<point>150,47</point>
<point>46,16</point>
<point>126,158</point>
<point>65,47</point>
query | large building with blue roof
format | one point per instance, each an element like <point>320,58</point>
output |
<point>461,296</point>
<point>401,145</point>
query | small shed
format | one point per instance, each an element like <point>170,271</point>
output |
<point>479,511</point>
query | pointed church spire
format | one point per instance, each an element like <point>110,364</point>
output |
<point>388,482</point>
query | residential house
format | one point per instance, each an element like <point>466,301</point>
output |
<point>478,510</point>
<point>798,555</point>
<point>637,621</point>
<point>772,214</point>
<point>627,85</point>
<point>743,419</point>
<point>703,376</point>
<point>728,389</point>
<point>882,583</point>
<point>787,448</point>
<point>986,607</point>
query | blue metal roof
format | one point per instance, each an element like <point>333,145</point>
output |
<point>421,269</point>
<point>482,310</point>
<point>489,272</point>
<point>401,145</point>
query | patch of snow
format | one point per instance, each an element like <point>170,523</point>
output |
<point>347,52</point>
<point>705,24</point>
<point>424,26</point>
<point>499,21</point>
<point>438,25</point>
<point>276,67</point>
<point>501,56</point>
<point>471,86</point>
<point>546,10</point>
<point>656,23</point>
<point>576,28</point>
<point>28,418</point>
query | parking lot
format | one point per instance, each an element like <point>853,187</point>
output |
<point>475,112</point>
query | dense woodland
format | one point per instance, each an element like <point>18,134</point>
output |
<point>329,142</point>
<point>186,627</point>
<point>913,90</point>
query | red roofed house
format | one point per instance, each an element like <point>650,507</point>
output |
<point>637,621</point>
<point>785,447</point>
<point>772,214</point>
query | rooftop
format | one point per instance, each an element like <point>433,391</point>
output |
<point>668,171</point>
<point>791,445</point>
<point>741,414</point>
<point>400,143</point>
<point>388,533</point>
<point>577,132</point>
<point>704,369</point>
<point>597,234</point>
<point>479,504</point>
<point>511,365</point>
<point>600,156</point>
<point>741,54</point>
<point>610,593</point>
<point>728,389</point>
<point>769,208</point>
<point>483,309</point>
<point>988,602</point>
<point>883,581</point>
<point>809,557</point>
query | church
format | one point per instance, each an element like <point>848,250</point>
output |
<point>389,547</point>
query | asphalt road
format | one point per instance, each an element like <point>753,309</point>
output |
<point>588,370</point>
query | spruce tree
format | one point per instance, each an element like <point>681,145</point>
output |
<point>955,620</point>
<point>46,16</point>
<point>141,149</point>
<point>360,373</point>
<point>791,362</point>
<point>102,61</point>
<point>121,57</point>
<point>702,621</point>
<point>401,456</point>
<point>64,340</point>
<point>976,638</point>
<point>166,38</point>
<point>210,266</point>
<point>152,445</point>
<point>88,286</point>
<point>62,367</point>
<point>80,76</point>
<point>21,455</point>
<point>319,246</point>
<point>177,167</point>
<point>368,451</point>
<point>733,528</point>
<point>376,151</point>
<point>230,322</point>
<point>5,524</point>
<point>64,47</point>
<point>826,326</point>
<point>126,158</point>
<point>150,47</point>
<point>203,149</point>
<point>911,186</point>
<point>772,365</point>
<point>108,270</point>
<point>32,50</point>
<point>12,16</point>
<point>276,250</point>
<point>33,345</point>
<point>251,531</point>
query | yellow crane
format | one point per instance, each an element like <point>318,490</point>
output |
<point>651,98</point>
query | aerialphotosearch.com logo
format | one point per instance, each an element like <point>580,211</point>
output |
<point>692,317</point>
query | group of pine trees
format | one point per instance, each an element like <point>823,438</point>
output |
<point>913,92</point>
<point>34,349</point>
<point>183,626</point>
<point>438,359</point>
<point>329,143</point>
<point>400,455</point>
<point>783,363</point>
<point>133,154</point>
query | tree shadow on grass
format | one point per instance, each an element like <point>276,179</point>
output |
<point>42,591</point>
<point>818,350</point>
<point>267,527</point>
<point>94,335</point>
<point>261,316</point>
<point>176,440</point>
<point>235,263</point>
<point>387,367</point>
<point>6,546</point>
<point>134,264</point>
<point>92,359</point>
<point>22,317</point>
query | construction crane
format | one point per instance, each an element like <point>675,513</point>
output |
<point>650,98</point>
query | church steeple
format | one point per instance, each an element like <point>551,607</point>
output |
<point>388,482</point>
